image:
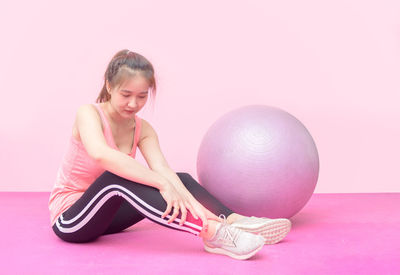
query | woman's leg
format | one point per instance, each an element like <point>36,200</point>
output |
<point>127,215</point>
<point>203,196</point>
<point>93,213</point>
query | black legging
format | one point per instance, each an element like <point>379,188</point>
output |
<point>112,204</point>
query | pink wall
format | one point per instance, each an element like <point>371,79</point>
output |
<point>335,66</point>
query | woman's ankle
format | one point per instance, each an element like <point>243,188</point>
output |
<point>212,227</point>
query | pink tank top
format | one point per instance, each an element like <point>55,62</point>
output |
<point>78,170</point>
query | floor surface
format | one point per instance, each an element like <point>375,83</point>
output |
<point>332,234</point>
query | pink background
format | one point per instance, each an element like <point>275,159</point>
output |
<point>334,66</point>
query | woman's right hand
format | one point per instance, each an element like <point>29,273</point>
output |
<point>179,201</point>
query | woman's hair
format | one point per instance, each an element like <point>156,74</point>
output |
<point>123,65</point>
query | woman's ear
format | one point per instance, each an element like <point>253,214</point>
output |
<point>108,86</point>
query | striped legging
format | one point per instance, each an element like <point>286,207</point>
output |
<point>112,204</point>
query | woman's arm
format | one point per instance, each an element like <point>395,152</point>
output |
<point>129,168</point>
<point>92,137</point>
<point>173,178</point>
<point>149,146</point>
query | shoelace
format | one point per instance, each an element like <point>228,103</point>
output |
<point>229,231</point>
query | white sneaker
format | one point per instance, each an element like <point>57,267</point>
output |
<point>273,230</point>
<point>233,242</point>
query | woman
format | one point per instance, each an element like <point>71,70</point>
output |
<point>101,189</point>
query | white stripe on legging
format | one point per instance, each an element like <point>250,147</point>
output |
<point>138,207</point>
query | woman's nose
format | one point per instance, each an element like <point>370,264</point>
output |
<point>132,103</point>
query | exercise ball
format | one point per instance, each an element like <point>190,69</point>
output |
<point>259,161</point>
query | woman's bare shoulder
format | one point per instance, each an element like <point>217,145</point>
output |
<point>86,107</point>
<point>85,110</point>
<point>146,130</point>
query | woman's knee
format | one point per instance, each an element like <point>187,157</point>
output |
<point>182,173</point>
<point>107,178</point>
<point>183,176</point>
<point>187,179</point>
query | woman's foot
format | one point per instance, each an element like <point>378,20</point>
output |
<point>224,239</point>
<point>273,230</point>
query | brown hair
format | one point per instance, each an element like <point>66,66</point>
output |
<point>123,65</point>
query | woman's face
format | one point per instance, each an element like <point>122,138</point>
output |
<point>130,97</point>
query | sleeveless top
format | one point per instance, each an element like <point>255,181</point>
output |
<point>78,170</point>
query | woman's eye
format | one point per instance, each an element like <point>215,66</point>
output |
<point>129,95</point>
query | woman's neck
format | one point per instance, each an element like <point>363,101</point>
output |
<point>116,119</point>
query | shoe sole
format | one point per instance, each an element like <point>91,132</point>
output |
<point>218,250</point>
<point>273,230</point>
